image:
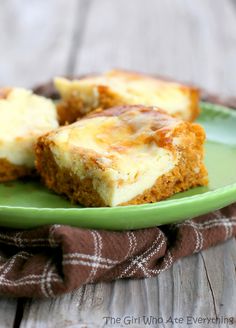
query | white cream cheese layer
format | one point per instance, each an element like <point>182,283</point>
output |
<point>145,91</point>
<point>24,116</point>
<point>114,154</point>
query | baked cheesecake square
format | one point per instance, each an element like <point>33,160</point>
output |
<point>124,155</point>
<point>116,87</point>
<point>23,118</point>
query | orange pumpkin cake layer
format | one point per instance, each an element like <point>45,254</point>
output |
<point>124,155</point>
<point>116,87</point>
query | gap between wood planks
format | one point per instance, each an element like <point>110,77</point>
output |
<point>209,282</point>
<point>77,35</point>
<point>19,312</point>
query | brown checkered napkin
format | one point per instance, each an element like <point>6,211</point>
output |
<point>52,260</point>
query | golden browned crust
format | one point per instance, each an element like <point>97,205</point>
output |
<point>189,172</point>
<point>192,92</point>
<point>9,171</point>
<point>109,99</point>
<point>63,181</point>
<point>164,118</point>
<point>71,108</point>
<point>4,92</point>
<point>194,96</point>
<point>184,175</point>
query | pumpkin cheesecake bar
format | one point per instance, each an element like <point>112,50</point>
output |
<point>117,87</point>
<point>23,118</point>
<point>124,155</point>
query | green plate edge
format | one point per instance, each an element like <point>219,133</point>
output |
<point>127,217</point>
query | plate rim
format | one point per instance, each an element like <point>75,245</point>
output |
<point>219,108</point>
<point>162,204</point>
<point>216,194</point>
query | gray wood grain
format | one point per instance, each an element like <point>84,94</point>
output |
<point>186,40</point>
<point>35,39</point>
<point>7,312</point>
<point>202,285</point>
<point>182,39</point>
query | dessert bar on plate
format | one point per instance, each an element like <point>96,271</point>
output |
<point>23,117</point>
<point>117,87</point>
<point>123,155</point>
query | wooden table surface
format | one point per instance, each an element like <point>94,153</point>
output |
<point>193,41</point>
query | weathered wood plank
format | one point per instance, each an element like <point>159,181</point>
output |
<point>7,312</point>
<point>36,38</point>
<point>182,39</point>
<point>222,273</point>
<point>178,38</point>
<point>184,290</point>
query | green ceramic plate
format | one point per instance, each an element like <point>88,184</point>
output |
<point>29,204</point>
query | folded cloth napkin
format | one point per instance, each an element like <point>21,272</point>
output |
<point>51,260</point>
<point>56,259</point>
